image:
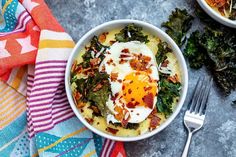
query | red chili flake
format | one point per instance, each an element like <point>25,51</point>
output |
<point>108,52</point>
<point>137,114</point>
<point>124,56</point>
<point>131,82</point>
<point>131,105</point>
<point>103,68</point>
<point>111,130</point>
<point>129,91</point>
<point>123,87</point>
<point>125,50</point>
<point>148,99</point>
<point>81,110</point>
<point>119,80</point>
<point>132,99</point>
<point>147,88</point>
<point>113,98</point>
<point>131,110</point>
<point>137,103</point>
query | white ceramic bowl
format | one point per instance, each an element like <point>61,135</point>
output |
<point>106,27</point>
<point>215,15</point>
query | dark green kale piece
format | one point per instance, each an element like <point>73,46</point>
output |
<point>167,94</point>
<point>178,24</point>
<point>131,32</point>
<point>215,48</point>
<point>87,88</point>
<point>163,49</point>
<point>194,52</point>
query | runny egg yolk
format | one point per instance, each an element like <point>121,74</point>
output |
<point>139,90</point>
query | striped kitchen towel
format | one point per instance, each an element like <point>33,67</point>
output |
<point>35,117</point>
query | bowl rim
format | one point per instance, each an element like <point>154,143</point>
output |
<point>211,12</point>
<point>175,48</point>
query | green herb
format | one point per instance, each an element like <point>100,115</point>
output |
<point>163,49</point>
<point>131,33</point>
<point>169,91</point>
<point>178,24</point>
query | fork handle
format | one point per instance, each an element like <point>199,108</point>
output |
<point>186,148</point>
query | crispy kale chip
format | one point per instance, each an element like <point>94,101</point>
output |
<point>86,87</point>
<point>131,33</point>
<point>167,94</point>
<point>178,24</point>
<point>215,48</point>
<point>194,52</point>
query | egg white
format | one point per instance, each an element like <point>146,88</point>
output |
<point>139,113</point>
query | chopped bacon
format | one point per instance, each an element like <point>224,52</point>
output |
<point>148,100</point>
<point>77,96</point>
<point>174,79</point>
<point>155,121</point>
<point>74,65</point>
<point>109,61</point>
<point>95,109</point>
<point>102,37</point>
<point>80,104</point>
<point>122,61</point>
<point>89,120</point>
<point>165,63</point>
<point>95,61</point>
<point>112,130</point>
<point>125,50</point>
<point>112,42</point>
<point>103,68</point>
<point>132,104</point>
<point>114,76</point>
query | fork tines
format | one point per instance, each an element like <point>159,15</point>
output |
<point>200,96</point>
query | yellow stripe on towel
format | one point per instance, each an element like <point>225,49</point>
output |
<point>47,43</point>
<point>18,78</point>
<point>62,139</point>
<point>90,153</point>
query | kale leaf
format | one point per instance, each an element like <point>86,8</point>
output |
<point>178,24</point>
<point>131,32</point>
<point>194,52</point>
<point>95,47</point>
<point>167,94</point>
<point>216,49</point>
<point>99,97</point>
<point>163,49</point>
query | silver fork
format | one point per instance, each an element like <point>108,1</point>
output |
<point>195,114</point>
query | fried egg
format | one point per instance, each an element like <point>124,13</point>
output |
<point>133,78</point>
